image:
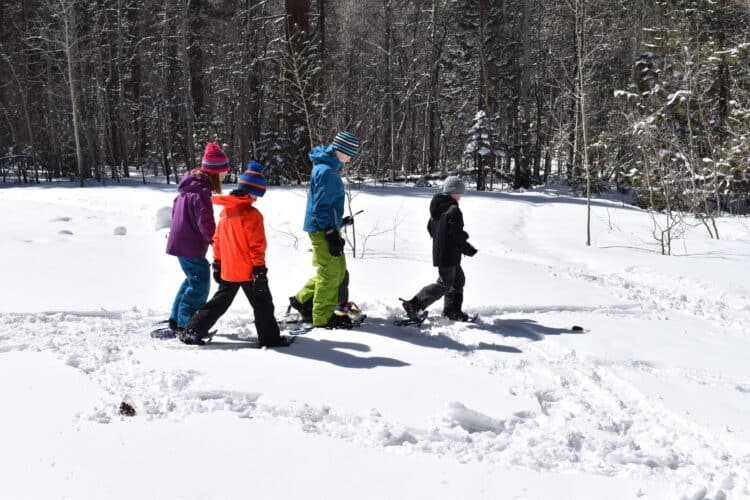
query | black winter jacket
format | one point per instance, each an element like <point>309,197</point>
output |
<point>446,227</point>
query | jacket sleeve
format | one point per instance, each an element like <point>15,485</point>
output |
<point>455,221</point>
<point>217,245</point>
<point>204,215</point>
<point>256,239</point>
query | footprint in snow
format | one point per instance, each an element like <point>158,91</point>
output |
<point>61,219</point>
<point>120,231</point>
<point>67,232</point>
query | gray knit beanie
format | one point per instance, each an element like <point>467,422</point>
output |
<point>454,185</point>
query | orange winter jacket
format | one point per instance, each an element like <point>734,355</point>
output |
<point>240,239</point>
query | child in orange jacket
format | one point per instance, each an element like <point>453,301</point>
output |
<point>240,262</point>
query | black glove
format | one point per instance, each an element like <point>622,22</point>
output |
<point>470,250</point>
<point>347,221</point>
<point>335,243</point>
<point>260,283</point>
<point>217,271</point>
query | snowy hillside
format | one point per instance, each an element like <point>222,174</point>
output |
<point>651,400</point>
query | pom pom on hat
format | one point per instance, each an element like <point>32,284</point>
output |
<point>214,160</point>
<point>252,181</point>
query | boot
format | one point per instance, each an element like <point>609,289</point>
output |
<point>342,309</point>
<point>192,337</point>
<point>414,308</point>
<point>304,310</point>
<point>348,309</point>
<point>336,322</point>
<point>283,341</point>
<point>456,315</point>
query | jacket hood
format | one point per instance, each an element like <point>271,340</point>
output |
<point>440,204</point>
<point>325,155</point>
<point>231,201</point>
<point>192,182</point>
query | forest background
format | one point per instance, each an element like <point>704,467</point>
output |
<point>641,96</point>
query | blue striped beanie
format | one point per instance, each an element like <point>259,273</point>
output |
<point>252,180</point>
<point>346,143</point>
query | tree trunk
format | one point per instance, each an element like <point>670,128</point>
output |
<point>428,158</point>
<point>523,174</point>
<point>484,94</point>
<point>580,28</point>
<point>122,128</point>
<point>389,82</point>
<point>187,86</point>
<point>71,55</point>
<point>296,11</point>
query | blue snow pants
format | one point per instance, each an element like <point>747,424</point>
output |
<point>193,292</point>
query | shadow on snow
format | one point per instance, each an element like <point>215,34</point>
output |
<point>413,335</point>
<point>524,328</point>
<point>315,349</point>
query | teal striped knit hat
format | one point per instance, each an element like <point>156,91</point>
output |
<point>346,143</point>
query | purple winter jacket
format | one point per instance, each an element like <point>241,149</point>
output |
<point>193,222</point>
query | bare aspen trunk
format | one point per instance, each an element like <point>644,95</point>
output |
<point>707,213</point>
<point>391,96</point>
<point>523,170</point>
<point>71,55</point>
<point>122,128</point>
<point>166,135</point>
<point>485,92</point>
<point>187,83</point>
<point>580,26</point>
<point>428,153</point>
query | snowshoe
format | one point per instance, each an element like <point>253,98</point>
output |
<point>461,316</point>
<point>337,322</point>
<point>418,320</point>
<point>192,337</point>
<point>284,341</point>
<point>350,309</point>
<point>352,324</point>
<point>166,329</point>
<point>163,333</point>
<point>292,319</point>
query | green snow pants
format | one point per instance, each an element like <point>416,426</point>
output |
<point>323,288</point>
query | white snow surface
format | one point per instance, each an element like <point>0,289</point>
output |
<point>651,400</point>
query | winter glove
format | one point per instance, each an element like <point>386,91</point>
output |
<point>346,221</point>
<point>260,283</point>
<point>335,243</point>
<point>217,271</point>
<point>470,250</point>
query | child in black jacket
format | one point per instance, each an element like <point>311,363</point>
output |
<point>449,242</point>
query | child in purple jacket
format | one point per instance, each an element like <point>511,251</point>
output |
<point>191,232</point>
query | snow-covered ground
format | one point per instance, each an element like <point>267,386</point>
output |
<point>652,400</point>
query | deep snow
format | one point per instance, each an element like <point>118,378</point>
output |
<point>651,400</point>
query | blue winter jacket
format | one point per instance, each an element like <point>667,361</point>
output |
<point>325,198</point>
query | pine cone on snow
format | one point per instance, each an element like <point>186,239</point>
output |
<point>126,409</point>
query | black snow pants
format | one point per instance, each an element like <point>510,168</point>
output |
<point>450,284</point>
<point>261,302</point>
